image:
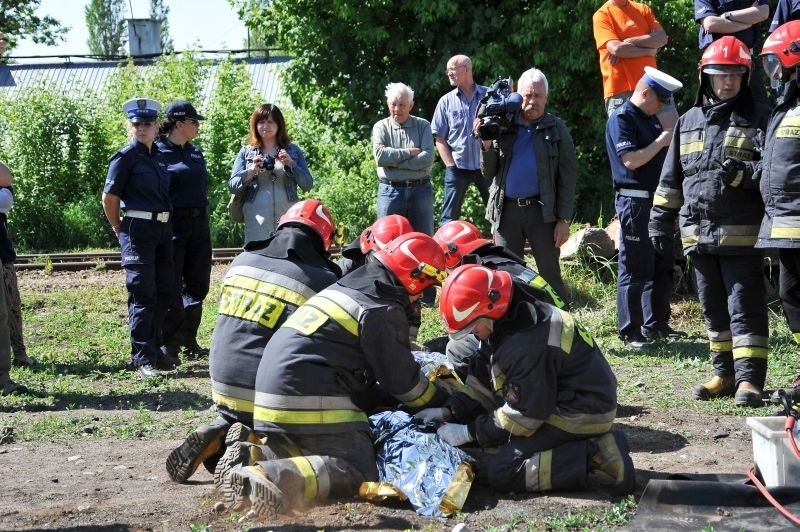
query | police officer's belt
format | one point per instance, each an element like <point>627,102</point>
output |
<point>162,217</point>
<point>191,212</point>
<point>410,183</point>
<point>634,193</point>
<point>523,202</point>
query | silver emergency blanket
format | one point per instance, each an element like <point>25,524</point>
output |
<point>432,474</point>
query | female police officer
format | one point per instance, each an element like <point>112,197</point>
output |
<point>191,241</point>
<point>138,182</point>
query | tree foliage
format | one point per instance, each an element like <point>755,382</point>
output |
<point>18,20</point>
<point>105,20</point>
<point>346,52</point>
<point>57,143</point>
<point>160,13</point>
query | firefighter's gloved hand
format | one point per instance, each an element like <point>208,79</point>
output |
<point>432,415</point>
<point>732,172</point>
<point>454,434</point>
<point>660,244</point>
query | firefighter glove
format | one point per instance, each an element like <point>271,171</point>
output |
<point>454,434</point>
<point>432,415</point>
<point>732,172</point>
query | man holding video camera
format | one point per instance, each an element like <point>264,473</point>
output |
<point>533,167</point>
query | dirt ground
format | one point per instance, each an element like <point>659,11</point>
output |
<point>98,484</point>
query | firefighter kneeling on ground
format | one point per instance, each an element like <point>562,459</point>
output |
<point>261,289</point>
<point>463,243</point>
<point>338,344</point>
<point>555,394</point>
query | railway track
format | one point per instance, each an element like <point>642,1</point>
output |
<point>109,260</point>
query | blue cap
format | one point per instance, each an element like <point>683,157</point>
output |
<point>141,109</point>
<point>662,83</point>
<point>182,110</point>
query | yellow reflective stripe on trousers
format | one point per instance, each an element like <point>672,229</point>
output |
<point>309,477</point>
<point>721,347</point>
<point>796,337</point>
<point>546,470</point>
<point>668,202</point>
<point>239,405</point>
<point>308,417</point>
<point>750,352</point>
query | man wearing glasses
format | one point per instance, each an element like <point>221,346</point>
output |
<point>452,129</point>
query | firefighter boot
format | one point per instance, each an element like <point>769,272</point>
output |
<point>239,432</point>
<point>748,394</point>
<point>609,453</point>
<point>248,486</point>
<point>238,453</point>
<point>723,383</point>
<point>205,442</point>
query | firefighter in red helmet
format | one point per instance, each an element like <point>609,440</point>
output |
<point>555,395</point>
<point>334,347</point>
<point>709,184</point>
<point>780,170</point>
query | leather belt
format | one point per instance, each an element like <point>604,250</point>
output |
<point>162,217</point>
<point>407,184</point>
<point>634,193</point>
<point>524,202</point>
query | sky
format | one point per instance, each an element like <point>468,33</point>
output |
<point>199,24</point>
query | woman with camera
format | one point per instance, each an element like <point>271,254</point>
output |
<point>268,170</point>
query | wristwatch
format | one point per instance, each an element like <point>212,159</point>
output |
<point>727,15</point>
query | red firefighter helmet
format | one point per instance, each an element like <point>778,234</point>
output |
<point>727,51</point>
<point>415,259</point>
<point>781,50</point>
<point>471,292</point>
<point>311,212</point>
<point>458,238</point>
<point>383,231</point>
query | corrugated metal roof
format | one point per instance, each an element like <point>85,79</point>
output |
<point>92,75</point>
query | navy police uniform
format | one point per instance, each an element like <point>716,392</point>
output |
<point>552,390</point>
<point>336,346</point>
<point>644,279</point>
<point>139,177</point>
<point>191,243</point>
<point>719,218</point>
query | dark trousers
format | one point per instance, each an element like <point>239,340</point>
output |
<point>191,253</point>
<point>644,278</point>
<point>520,223</point>
<point>456,183</point>
<point>320,466</point>
<point>550,459</point>
<point>146,248</point>
<point>732,294</point>
<point>789,279</point>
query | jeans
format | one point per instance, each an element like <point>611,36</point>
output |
<point>456,181</point>
<point>415,203</point>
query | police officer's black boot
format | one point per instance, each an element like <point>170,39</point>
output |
<point>723,383</point>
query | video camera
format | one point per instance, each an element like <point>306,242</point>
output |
<point>496,110</point>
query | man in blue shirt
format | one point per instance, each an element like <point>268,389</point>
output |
<point>534,171</point>
<point>637,145</point>
<point>458,148</point>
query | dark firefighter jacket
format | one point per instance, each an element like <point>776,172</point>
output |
<point>543,368</point>
<point>260,290</point>
<point>780,175</point>
<point>338,344</point>
<point>714,217</point>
